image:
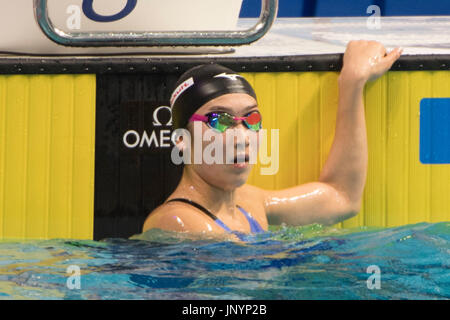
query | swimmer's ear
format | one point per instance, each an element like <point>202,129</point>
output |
<point>181,139</point>
<point>180,144</point>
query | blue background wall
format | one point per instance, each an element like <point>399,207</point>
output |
<point>330,8</point>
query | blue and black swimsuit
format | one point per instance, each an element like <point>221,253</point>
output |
<point>254,225</point>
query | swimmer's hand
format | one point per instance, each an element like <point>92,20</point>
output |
<point>337,195</point>
<point>366,60</point>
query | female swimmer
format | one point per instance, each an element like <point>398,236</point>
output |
<point>215,199</point>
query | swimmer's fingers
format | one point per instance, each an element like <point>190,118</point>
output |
<point>385,63</point>
<point>366,60</point>
<point>388,60</point>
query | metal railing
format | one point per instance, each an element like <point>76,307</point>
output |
<point>161,38</point>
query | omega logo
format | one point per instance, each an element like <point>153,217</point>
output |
<point>156,121</point>
<point>133,139</point>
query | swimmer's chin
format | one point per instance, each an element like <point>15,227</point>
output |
<point>232,185</point>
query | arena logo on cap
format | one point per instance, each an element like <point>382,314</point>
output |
<point>180,89</point>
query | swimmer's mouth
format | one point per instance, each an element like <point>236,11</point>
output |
<point>241,159</point>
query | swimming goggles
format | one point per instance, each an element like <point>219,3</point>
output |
<point>221,121</point>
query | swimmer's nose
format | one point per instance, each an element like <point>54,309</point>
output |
<point>240,126</point>
<point>241,142</point>
<point>242,137</point>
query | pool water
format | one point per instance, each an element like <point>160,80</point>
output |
<point>311,262</point>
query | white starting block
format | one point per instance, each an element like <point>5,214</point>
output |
<point>51,27</point>
<point>142,16</point>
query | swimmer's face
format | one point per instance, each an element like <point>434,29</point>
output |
<point>241,140</point>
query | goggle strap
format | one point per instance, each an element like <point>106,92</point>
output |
<point>198,117</point>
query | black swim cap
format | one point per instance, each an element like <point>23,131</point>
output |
<point>201,84</point>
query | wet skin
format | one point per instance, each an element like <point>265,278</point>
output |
<point>336,195</point>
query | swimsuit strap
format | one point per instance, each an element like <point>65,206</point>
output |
<point>254,225</point>
<point>195,204</point>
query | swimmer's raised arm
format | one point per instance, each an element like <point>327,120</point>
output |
<point>337,195</point>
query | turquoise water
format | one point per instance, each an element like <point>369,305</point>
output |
<point>309,262</point>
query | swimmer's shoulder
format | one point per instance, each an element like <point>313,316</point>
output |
<point>181,217</point>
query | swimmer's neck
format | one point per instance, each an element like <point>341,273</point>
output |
<point>195,188</point>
